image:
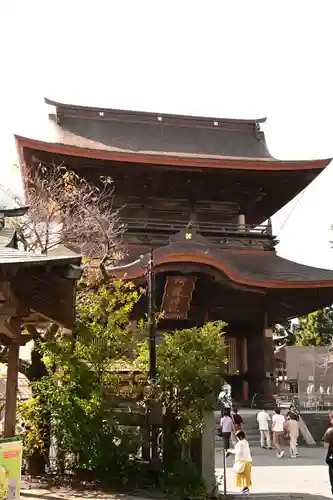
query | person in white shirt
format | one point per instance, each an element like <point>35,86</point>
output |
<point>278,423</point>
<point>243,462</point>
<point>227,427</point>
<point>263,419</point>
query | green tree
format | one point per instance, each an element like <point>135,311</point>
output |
<point>190,366</point>
<point>315,329</point>
<point>83,389</point>
<point>79,390</point>
<point>285,333</point>
<point>65,209</point>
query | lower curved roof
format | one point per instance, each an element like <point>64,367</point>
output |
<point>263,269</point>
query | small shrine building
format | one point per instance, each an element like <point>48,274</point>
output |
<point>35,290</point>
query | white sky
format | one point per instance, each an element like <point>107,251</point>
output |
<point>225,58</point>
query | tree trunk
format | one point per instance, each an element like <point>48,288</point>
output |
<point>172,450</point>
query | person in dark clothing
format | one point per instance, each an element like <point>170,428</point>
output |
<point>237,419</point>
<point>328,441</point>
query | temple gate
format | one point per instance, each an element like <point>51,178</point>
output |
<point>197,192</point>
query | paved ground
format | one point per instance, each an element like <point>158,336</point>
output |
<point>64,494</point>
<point>280,479</point>
<point>304,477</point>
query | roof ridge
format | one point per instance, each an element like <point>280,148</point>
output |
<point>157,116</point>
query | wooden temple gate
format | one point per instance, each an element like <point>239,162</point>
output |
<point>195,190</point>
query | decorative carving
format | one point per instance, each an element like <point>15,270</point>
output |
<point>190,236</point>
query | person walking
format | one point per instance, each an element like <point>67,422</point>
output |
<point>264,419</point>
<point>226,428</point>
<point>278,427</point>
<point>237,419</point>
<point>292,429</point>
<point>328,443</point>
<point>243,462</point>
<point>238,424</point>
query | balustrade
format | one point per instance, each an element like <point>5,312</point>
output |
<point>143,224</point>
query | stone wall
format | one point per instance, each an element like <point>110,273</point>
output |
<point>317,423</point>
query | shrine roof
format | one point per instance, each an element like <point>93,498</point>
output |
<point>161,138</point>
<point>9,255</point>
<point>264,269</point>
<point>45,284</point>
<point>12,256</point>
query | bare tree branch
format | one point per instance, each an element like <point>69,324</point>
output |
<point>66,209</point>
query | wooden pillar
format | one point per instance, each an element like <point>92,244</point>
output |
<point>11,389</point>
<point>269,362</point>
<point>244,358</point>
<point>261,361</point>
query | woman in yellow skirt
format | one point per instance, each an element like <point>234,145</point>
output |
<point>243,463</point>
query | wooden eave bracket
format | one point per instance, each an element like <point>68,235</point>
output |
<point>11,327</point>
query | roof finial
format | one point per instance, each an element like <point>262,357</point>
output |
<point>269,227</point>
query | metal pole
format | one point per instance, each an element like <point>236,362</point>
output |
<point>151,318</point>
<point>224,471</point>
<point>152,350</point>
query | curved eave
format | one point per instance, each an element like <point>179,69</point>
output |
<point>163,256</point>
<point>190,118</point>
<point>170,159</point>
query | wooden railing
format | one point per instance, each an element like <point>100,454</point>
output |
<point>171,226</point>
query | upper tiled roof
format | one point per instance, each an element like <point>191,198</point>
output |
<point>134,132</point>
